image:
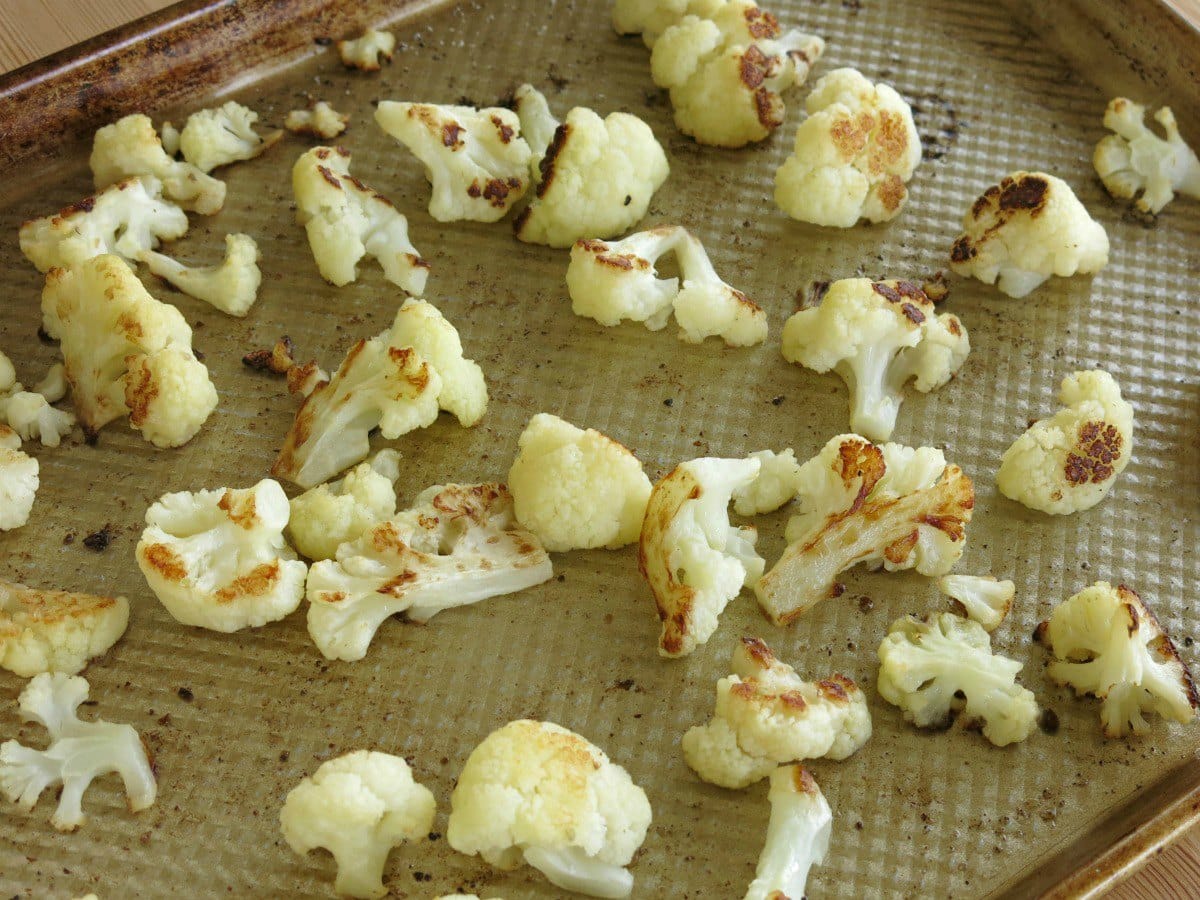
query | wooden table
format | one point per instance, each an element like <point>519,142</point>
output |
<point>30,29</point>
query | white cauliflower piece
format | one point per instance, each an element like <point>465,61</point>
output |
<point>463,391</point>
<point>217,137</point>
<point>890,506</point>
<point>475,159</point>
<point>345,220</point>
<point>368,50</point>
<point>1023,230</point>
<point>878,336</point>
<point>126,353</point>
<point>217,559</point>
<point>1070,462</point>
<point>726,71</point>
<point>1136,163</point>
<point>321,120</point>
<point>983,599</point>
<point>942,667</point>
<point>614,281</point>
<point>707,307</point>
<point>853,155</point>
<point>457,545</point>
<point>537,793</point>
<point>9,439</point>
<point>594,177</point>
<point>8,376</point>
<point>130,147</point>
<point>358,807</point>
<point>54,385</point>
<point>766,715</point>
<point>695,561</point>
<point>170,138</point>
<point>331,514</point>
<point>231,287</point>
<point>797,835</point>
<point>577,489</point>
<point>34,419</point>
<point>18,483</point>
<point>126,219</point>
<point>650,18</point>
<point>777,482</point>
<point>1108,643</point>
<point>79,752</point>
<point>56,631</point>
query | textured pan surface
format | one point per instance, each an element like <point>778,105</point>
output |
<point>235,721</point>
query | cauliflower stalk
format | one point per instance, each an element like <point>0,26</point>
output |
<point>56,631</point>
<point>217,559</point>
<point>982,598</point>
<point>19,482</point>
<point>367,51</point>
<point>942,667</point>
<point>79,752</point>
<point>457,545</point>
<point>321,120</point>
<point>33,418</point>
<point>776,483</point>
<point>890,506</point>
<point>475,159</point>
<point>878,336</point>
<point>217,137</point>
<point>1136,164</point>
<point>576,489</point>
<point>358,807</point>
<point>327,516</point>
<point>797,835</point>
<point>231,287</point>
<point>1108,643</point>
<point>537,793</point>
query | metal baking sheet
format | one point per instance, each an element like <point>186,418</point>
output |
<point>236,720</point>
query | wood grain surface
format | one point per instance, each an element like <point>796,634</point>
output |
<point>30,29</point>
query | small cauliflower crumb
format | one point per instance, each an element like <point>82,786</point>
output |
<point>56,631</point>
<point>320,120</point>
<point>367,51</point>
<point>231,286</point>
<point>1136,164</point>
<point>217,137</point>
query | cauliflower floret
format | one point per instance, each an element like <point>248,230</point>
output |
<point>368,50</point>
<point>9,439</point>
<point>797,835</point>
<point>320,120</point>
<point>126,353</point>
<point>18,483</point>
<point>594,178</point>
<point>577,489</point>
<point>463,392</point>
<point>983,598</point>
<point>1108,643</point>
<point>78,753</point>
<point>890,506</point>
<point>231,287</point>
<point>853,154</point>
<point>54,386</point>
<point>34,419</point>
<point>877,335</point>
<point>329,515</point>
<point>217,137</point>
<point>725,72</point>
<point>707,307</point>
<point>8,376</point>
<point>346,220</point>
<point>1136,163</point>
<point>766,715</point>
<point>217,559</point>
<point>1070,462</point>
<point>777,482</point>
<point>358,807</point>
<point>475,159</point>
<point>1025,229</point>
<point>131,147</point>
<point>650,18</point>
<point>695,561</point>
<point>56,631</point>
<point>127,218</point>
<point>457,545</point>
<point>942,667</point>
<point>537,793</point>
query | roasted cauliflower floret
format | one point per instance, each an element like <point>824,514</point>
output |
<point>776,483</point>
<point>650,18</point>
<point>707,307</point>
<point>1070,462</point>
<point>331,514</point>
<point>18,482</point>
<point>56,631</point>
<point>577,489</point>
<point>475,159</point>
<point>537,793</point>
<point>1108,643</point>
<point>878,336</point>
<point>853,155</point>
<point>367,51</point>
<point>217,137</point>
<point>231,287</point>
<point>463,391</point>
<point>346,220</point>
<point>457,545</point>
<point>320,120</point>
<point>130,147</point>
<point>1136,164</point>
<point>890,506</point>
<point>358,807</point>
<point>217,559</point>
<point>766,714</point>
<point>942,667</point>
<point>1025,229</point>
<point>982,598</point>
<point>33,418</point>
<point>797,836</point>
<point>594,177</point>
<point>695,561</point>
